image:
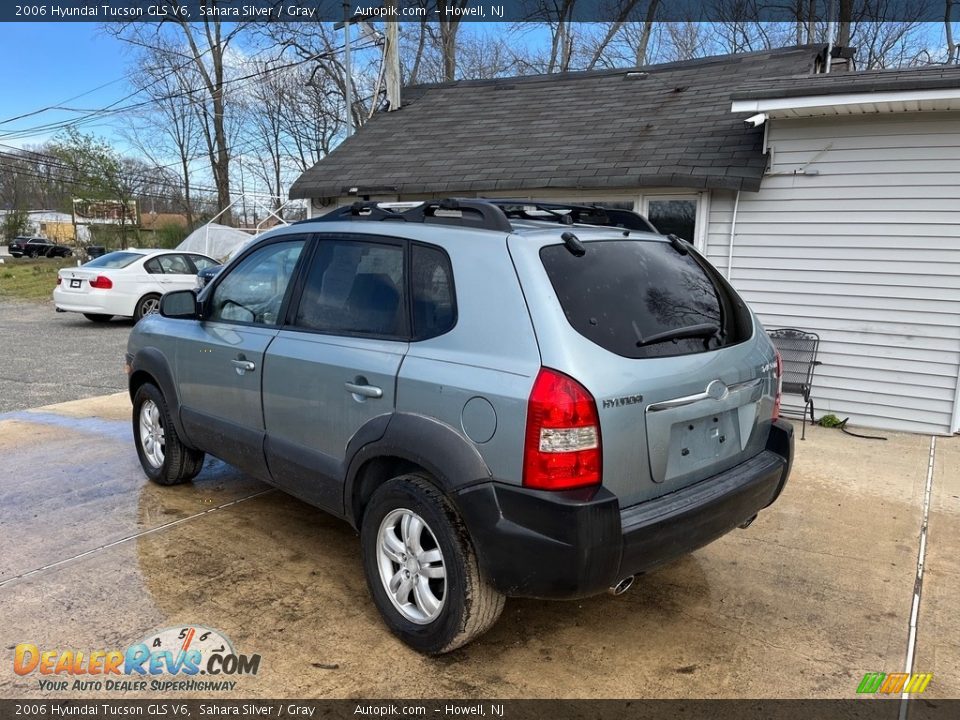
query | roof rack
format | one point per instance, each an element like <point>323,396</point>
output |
<point>450,211</point>
<point>492,214</point>
<point>570,214</point>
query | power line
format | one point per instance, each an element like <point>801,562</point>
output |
<point>112,110</point>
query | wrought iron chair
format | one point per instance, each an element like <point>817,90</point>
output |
<point>798,349</point>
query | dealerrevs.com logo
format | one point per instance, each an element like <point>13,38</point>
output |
<point>190,659</point>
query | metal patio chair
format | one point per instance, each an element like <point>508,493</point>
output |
<point>798,349</point>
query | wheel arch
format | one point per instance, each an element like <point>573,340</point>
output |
<point>150,365</point>
<point>410,443</point>
<point>136,304</point>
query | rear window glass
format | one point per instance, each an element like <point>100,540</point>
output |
<point>114,260</point>
<point>637,298</point>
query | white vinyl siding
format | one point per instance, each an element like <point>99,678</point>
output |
<point>866,253</point>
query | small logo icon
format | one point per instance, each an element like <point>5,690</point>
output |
<point>717,390</point>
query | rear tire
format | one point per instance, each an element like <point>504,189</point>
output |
<point>468,606</point>
<point>98,318</point>
<point>164,458</point>
<point>147,305</point>
<point>32,254</point>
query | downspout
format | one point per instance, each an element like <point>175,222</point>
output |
<point>733,231</point>
<point>955,420</point>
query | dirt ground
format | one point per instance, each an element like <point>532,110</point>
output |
<point>817,592</point>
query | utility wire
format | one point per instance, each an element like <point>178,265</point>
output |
<point>111,109</point>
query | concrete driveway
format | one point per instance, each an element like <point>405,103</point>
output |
<point>817,592</point>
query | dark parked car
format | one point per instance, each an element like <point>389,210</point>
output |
<point>208,274</point>
<point>37,247</point>
<point>95,251</point>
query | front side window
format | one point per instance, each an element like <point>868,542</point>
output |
<point>253,291</point>
<point>355,288</point>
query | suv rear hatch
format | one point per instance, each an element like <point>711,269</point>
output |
<point>683,381</point>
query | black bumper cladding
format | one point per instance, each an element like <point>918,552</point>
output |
<point>578,543</point>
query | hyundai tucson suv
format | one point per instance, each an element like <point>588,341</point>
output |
<point>504,398</point>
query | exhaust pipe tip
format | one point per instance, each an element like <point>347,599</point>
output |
<point>747,523</point>
<point>621,587</point>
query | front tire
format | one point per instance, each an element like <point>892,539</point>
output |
<point>32,254</point>
<point>422,570</point>
<point>164,458</point>
<point>98,318</point>
<point>147,305</point>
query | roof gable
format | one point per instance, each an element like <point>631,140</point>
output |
<point>666,125</point>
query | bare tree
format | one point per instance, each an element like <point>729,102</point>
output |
<point>206,44</point>
<point>169,128</point>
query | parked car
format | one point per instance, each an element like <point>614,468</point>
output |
<point>503,400</point>
<point>127,283</point>
<point>95,251</point>
<point>208,274</point>
<point>37,247</point>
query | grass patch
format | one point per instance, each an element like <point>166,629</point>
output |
<point>24,279</point>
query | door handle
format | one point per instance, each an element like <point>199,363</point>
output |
<point>369,391</point>
<point>243,366</point>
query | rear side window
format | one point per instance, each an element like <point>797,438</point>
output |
<point>355,288</point>
<point>638,298</point>
<point>434,309</point>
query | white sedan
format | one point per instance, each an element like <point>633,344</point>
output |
<point>128,283</point>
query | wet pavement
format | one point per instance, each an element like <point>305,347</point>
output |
<point>815,593</point>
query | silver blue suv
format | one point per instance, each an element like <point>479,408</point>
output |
<point>505,398</point>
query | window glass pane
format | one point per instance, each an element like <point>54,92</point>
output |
<point>677,217</point>
<point>622,294</point>
<point>354,288</point>
<point>202,262</point>
<point>174,265</point>
<point>432,287</point>
<point>114,260</point>
<point>253,291</point>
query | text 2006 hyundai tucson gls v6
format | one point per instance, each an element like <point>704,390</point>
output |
<point>504,398</point>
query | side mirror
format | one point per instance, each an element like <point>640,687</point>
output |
<point>180,304</point>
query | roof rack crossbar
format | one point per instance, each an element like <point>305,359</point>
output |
<point>570,213</point>
<point>449,211</point>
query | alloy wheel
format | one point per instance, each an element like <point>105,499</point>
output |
<point>151,433</point>
<point>411,566</point>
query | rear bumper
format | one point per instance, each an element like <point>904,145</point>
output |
<point>578,543</point>
<point>94,302</point>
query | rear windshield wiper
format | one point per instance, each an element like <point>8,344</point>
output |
<point>704,330</point>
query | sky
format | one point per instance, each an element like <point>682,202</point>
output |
<point>46,63</point>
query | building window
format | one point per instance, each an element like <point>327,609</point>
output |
<point>674,215</point>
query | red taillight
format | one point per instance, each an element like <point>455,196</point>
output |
<point>776,400</point>
<point>59,279</point>
<point>101,283</point>
<point>562,443</point>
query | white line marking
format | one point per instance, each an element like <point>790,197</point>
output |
<point>918,583</point>
<point>170,524</point>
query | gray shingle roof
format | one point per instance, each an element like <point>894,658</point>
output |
<point>666,125</point>
<point>918,78</point>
